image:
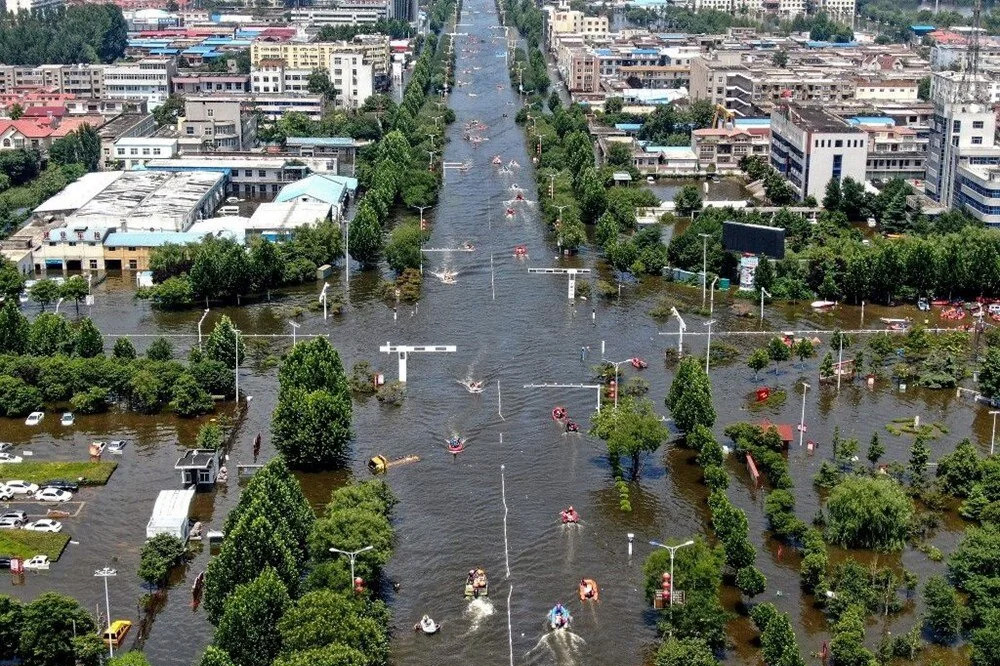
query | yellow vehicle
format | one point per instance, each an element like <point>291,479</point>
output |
<point>115,634</point>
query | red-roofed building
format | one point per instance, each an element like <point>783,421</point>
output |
<point>720,150</point>
<point>39,133</point>
<point>785,431</point>
<point>948,37</point>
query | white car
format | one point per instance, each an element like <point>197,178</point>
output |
<point>67,419</point>
<point>9,458</point>
<point>6,494</point>
<point>44,525</point>
<point>53,495</point>
<point>34,418</point>
<point>10,523</point>
<point>38,562</point>
<point>19,487</point>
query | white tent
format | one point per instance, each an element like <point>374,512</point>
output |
<point>170,514</point>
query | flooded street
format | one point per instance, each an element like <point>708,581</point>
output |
<point>451,510</point>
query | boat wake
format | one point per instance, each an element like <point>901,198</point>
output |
<point>478,611</point>
<point>446,276</point>
<point>561,647</point>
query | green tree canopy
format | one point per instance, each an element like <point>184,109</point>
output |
<point>629,430</point>
<point>248,628</point>
<point>869,513</point>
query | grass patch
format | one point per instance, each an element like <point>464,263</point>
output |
<point>85,473</point>
<point>26,544</point>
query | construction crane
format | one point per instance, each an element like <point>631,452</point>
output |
<point>723,118</point>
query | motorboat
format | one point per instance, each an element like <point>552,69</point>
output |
<point>504,171</point>
<point>97,448</point>
<point>588,590</point>
<point>455,444</point>
<point>519,197</point>
<point>571,426</point>
<point>427,625</point>
<point>569,516</point>
<point>117,446</point>
<point>559,413</point>
<point>477,584</point>
<point>472,386</point>
<point>468,247</point>
<point>559,617</point>
<point>510,212</point>
<point>822,305</point>
<point>67,419</point>
<point>497,160</point>
<point>514,187</point>
<point>902,324</point>
<point>638,363</point>
<point>520,251</point>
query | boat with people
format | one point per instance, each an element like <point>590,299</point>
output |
<point>520,251</point>
<point>559,617</point>
<point>477,584</point>
<point>902,324</point>
<point>455,444</point>
<point>497,160</point>
<point>569,516</point>
<point>588,590</point>
<point>427,625</point>
<point>471,385</point>
<point>510,212</point>
<point>504,171</point>
<point>822,305</point>
<point>638,363</point>
<point>513,164</point>
<point>559,413</point>
<point>571,426</point>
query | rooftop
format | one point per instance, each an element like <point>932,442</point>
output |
<point>144,199</point>
<point>814,119</point>
<point>285,215</point>
<point>79,192</point>
<point>150,238</point>
<point>171,507</point>
<point>323,187</point>
<point>196,459</point>
<point>334,141</point>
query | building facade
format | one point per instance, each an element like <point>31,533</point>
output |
<point>148,79</point>
<point>210,83</point>
<point>811,147</point>
<point>374,50</point>
<point>83,80</point>
<point>216,123</point>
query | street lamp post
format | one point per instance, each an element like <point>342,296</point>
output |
<point>353,555</point>
<point>422,209</point>
<point>616,364</point>
<point>322,298</point>
<point>347,259</point>
<point>993,435</point>
<point>680,330</point>
<point>295,327</point>
<point>672,549</point>
<point>58,303</point>
<point>708,349</point>
<point>200,321</point>
<point>105,573</point>
<point>236,336</point>
<point>763,293</point>
<point>802,419</point>
<point>704,266</point>
<point>711,297</point>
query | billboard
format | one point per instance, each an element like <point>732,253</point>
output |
<point>754,238</point>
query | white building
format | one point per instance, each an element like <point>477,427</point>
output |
<point>272,76</point>
<point>887,90</point>
<point>947,88</point>
<point>959,134</point>
<point>15,6</point>
<point>170,514</point>
<point>135,150</point>
<point>810,147</point>
<point>274,105</point>
<point>352,78</point>
<point>147,79</point>
<point>75,246</point>
<point>978,192</point>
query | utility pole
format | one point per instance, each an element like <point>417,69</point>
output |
<point>802,419</point>
<point>105,573</point>
<point>704,266</point>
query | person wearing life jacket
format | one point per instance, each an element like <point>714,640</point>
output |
<point>587,589</point>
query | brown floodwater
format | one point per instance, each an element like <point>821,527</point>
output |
<point>451,514</point>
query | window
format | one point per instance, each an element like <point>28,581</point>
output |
<point>977,140</point>
<point>211,113</point>
<point>112,249</point>
<point>93,263</point>
<point>838,164</point>
<point>190,130</point>
<point>145,151</point>
<point>261,173</point>
<point>133,151</point>
<point>133,264</point>
<point>838,143</point>
<point>248,173</point>
<point>956,126</point>
<point>131,249</point>
<point>977,124</point>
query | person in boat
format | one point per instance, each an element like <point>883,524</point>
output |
<point>472,577</point>
<point>570,515</point>
<point>426,624</point>
<point>559,413</point>
<point>587,589</point>
<point>571,426</point>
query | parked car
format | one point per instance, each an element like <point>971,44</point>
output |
<point>4,563</point>
<point>10,524</point>
<point>61,484</point>
<point>44,525</point>
<point>6,494</point>
<point>19,487</point>
<point>67,419</point>
<point>38,562</point>
<point>6,446</point>
<point>115,634</point>
<point>53,495</point>
<point>34,418</point>
<point>20,515</point>
<point>9,458</point>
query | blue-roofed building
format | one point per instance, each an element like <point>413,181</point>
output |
<point>921,30</point>
<point>630,129</point>
<point>321,187</point>
<point>130,250</point>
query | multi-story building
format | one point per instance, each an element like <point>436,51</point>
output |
<point>374,50</point>
<point>710,75</point>
<point>886,90</point>
<point>345,12</point>
<point>719,150</point>
<point>811,147</point>
<point>341,150</point>
<point>272,106</point>
<point>563,20</point>
<point>352,78</point>
<point>216,123</point>
<point>83,80</point>
<point>978,192</point>
<point>842,10</point>
<point>148,79</point>
<point>131,152</point>
<point>960,135</point>
<point>126,125</point>
<point>250,175</point>
<point>949,87</point>
<point>210,83</point>
<point>583,75</point>
<point>753,92</point>
<point>15,6</point>
<point>893,152</point>
<point>404,10</point>
<point>272,76</point>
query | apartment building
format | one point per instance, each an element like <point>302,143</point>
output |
<point>272,76</point>
<point>272,106</point>
<point>978,192</point>
<point>886,90</point>
<point>148,79</point>
<point>374,50</point>
<point>710,75</point>
<point>202,83</point>
<point>949,87</point>
<point>562,20</point>
<point>961,134</point>
<point>345,12</point>
<point>583,75</point>
<point>126,125</point>
<point>15,6</point>
<point>130,152</point>
<point>84,80</point>
<point>341,151</point>
<point>810,146</point>
<point>786,9</point>
<point>352,78</point>
<point>758,90</point>
<point>719,150</point>
<point>216,123</point>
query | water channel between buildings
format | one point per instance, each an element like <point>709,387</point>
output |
<point>450,515</point>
